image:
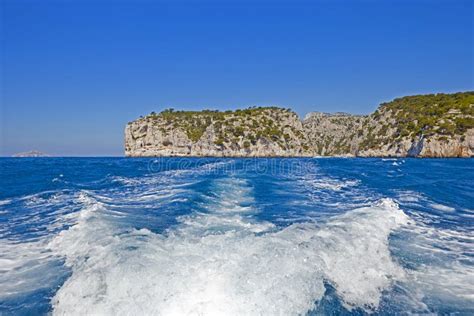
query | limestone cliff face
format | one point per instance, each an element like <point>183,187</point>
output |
<point>256,132</point>
<point>429,147</point>
<point>437,125</point>
<point>440,125</point>
<point>333,134</point>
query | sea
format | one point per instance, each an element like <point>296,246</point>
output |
<point>255,236</point>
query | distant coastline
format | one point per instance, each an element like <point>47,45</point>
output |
<point>31,154</point>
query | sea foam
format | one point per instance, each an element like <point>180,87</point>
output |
<point>223,261</point>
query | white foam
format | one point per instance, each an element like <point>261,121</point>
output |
<point>317,181</point>
<point>441,207</point>
<point>223,261</point>
<point>4,202</point>
<point>30,265</point>
<point>26,267</point>
<point>409,196</point>
<point>443,261</point>
<point>453,283</point>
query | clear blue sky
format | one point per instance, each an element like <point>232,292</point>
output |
<point>75,72</point>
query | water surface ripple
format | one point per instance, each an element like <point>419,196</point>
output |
<point>175,236</point>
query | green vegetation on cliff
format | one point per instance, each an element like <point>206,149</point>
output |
<point>229,126</point>
<point>431,115</point>
<point>444,114</point>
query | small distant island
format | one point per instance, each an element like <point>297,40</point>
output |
<point>432,125</point>
<point>30,154</point>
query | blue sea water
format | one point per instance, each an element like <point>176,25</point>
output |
<point>179,236</point>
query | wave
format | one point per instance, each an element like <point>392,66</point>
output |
<point>221,260</point>
<point>188,242</point>
<point>440,269</point>
<point>26,268</point>
<point>5,202</point>
<point>441,207</point>
<point>27,263</point>
<point>326,183</point>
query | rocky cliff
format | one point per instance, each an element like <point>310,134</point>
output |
<point>253,132</point>
<point>434,125</point>
<point>437,125</point>
<point>333,134</point>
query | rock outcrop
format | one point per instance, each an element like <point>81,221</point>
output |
<point>435,125</point>
<point>333,134</point>
<point>438,125</point>
<point>254,132</point>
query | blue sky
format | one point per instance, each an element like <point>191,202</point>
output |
<point>75,72</point>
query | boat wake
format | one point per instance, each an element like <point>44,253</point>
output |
<point>221,260</point>
<point>198,241</point>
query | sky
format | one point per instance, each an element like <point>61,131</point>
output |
<point>73,73</point>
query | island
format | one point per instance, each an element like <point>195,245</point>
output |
<point>432,125</point>
<point>31,154</point>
